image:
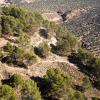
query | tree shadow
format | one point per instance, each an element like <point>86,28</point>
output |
<point>5,81</point>
<point>43,85</point>
<point>73,58</point>
<point>13,62</point>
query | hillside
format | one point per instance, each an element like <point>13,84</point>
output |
<point>44,60</point>
<point>62,5</point>
<point>85,23</point>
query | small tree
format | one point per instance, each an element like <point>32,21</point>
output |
<point>9,48</point>
<point>43,51</point>
<point>78,96</point>
<point>27,88</point>
<point>7,93</point>
<point>23,40</point>
<point>86,84</point>
<point>58,84</point>
<point>63,47</point>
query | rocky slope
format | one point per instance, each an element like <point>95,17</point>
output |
<point>86,23</point>
<point>56,4</point>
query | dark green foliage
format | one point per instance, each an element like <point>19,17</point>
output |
<point>9,48</point>
<point>16,80</point>
<point>78,96</point>
<point>86,83</point>
<point>23,40</point>
<point>18,56</point>
<point>89,59</point>
<point>85,56</point>
<point>10,25</point>
<point>59,84</point>
<point>28,89</point>
<point>14,11</point>
<point>67,42</point>
<point>91,62</point>
<point>43,51</point>
<point>17,19</point>
<point>7,93</point>
<point>37,19</point>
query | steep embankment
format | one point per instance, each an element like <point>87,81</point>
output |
<point>85,23</point>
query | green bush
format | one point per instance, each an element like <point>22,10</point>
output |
<point>43,51</point>
<point>63,47</point>
<point>15,20</point>
<point>9,24</point>
<point>91,62</point>
<point>59,84</point>
<point>18,56</point>
<point>27,88</point>
<point>16,80</point>
<point>78,96</point>
<point>23,40</point>
<point>9,48</point>
<point>7,93</point>
<point>86,84</point>
<point>66,41</point>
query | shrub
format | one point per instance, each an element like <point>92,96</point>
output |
<point>86,84</point>
<point>16,80</point>
<point>23,40</point>
<point>28,89</point>
<point>67,42</point>
<point>7,93</point>
<point>17,19</point>
<point>9,24</point>
<point>31,58</point>
<point>63,48</point>
<point>18,56</point>
<point>89,59</point>
<point>78,96</point>
<point>37,19</point>
<point>58,84</point>
<point>91,62</point>
<point>43,51</point>
<point>9,48</point>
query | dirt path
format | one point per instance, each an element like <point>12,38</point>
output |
<point>39,69</point>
